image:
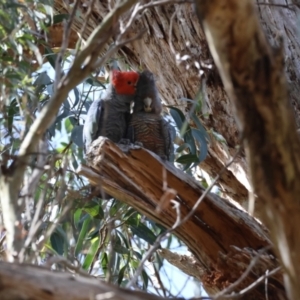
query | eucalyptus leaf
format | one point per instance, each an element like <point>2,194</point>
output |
<point>200,127</point>
<point>51,56</point>
<point>95,243</point>
<point>200,137</point>
<point>57,243</point>
<point>183,147</point>
<point>178,116</point>
<point>77,97</point>
<point>42,79</point>
<point>121,274</point>
<point>189,139</point>
<point>82,235</point>
<point>187,159</point>
<point>142,232</point>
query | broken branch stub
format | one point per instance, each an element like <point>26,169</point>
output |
<point>135,176</point>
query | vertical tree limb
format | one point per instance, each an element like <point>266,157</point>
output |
<point>253,75</point>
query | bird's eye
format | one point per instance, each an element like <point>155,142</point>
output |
<point>129,82</point>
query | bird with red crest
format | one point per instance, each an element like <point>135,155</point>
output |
<point>108,115</point>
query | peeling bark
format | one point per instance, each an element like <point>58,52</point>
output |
<point>177,80</point>
<point>222,238</point>
<point>181,79</point>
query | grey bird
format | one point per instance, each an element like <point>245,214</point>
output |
<point>108,116</point>
<point>146,125</point>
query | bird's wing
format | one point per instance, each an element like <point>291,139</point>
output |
<point>169,134</point>
<point>91,128</point>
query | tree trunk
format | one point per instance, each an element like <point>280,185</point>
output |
<point>253,76</point>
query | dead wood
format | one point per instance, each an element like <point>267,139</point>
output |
<point>222,238</point>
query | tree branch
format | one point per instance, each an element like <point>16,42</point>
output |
<point>210,233</point>
<point>41,284</point>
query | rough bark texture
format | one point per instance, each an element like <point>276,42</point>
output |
<point>223,238</point>
<point>253,76</point>
<point>157,51</point>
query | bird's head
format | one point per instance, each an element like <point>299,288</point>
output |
<point>125,82</point>
<point>147,98</point>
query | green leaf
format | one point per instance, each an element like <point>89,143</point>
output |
<point>130,212</point>
<point>42,79</point>
<point>122,237</point>
<point>15,5</point>
<point>68,125</point>
<point>145,279</point>
<point>189,139</point>
<point>158,261</point>
<point>57,242</point>
<point>141,231</point>
<point>95,243</point>
<point>51,56</point>
<point>120,249</point>
<point>138,255</point>
<point>94,210</point>
<point>82,235</point>
<point>116,208</point>
<point>77,216</point>
<point>187,159</point>
<point>77,96</point>
<point>104,262</point>
<point>200,127</point>
<point>200,137</point>
<point>76,135</point>
<point>183,147</point>
<point>121,274</point>
<point>12,112</point>
<point>178,116</point>
<point>56,19</point>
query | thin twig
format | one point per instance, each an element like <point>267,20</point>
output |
<point>230,288</point>
<point>253,285</point>
<point>64,45</point>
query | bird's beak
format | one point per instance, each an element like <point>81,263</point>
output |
<point>147,104</point>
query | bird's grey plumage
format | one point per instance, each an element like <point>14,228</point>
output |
<point>146,125</point>
<point>107,116</point>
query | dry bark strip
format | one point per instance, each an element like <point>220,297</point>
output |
<point>219,234</point>
<point>253,76</point>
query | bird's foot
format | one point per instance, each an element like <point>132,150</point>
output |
<point>140,144</point>
<point>124,142</point>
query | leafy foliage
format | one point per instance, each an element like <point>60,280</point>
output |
<point>190,155</point>
<point>62,218</point>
